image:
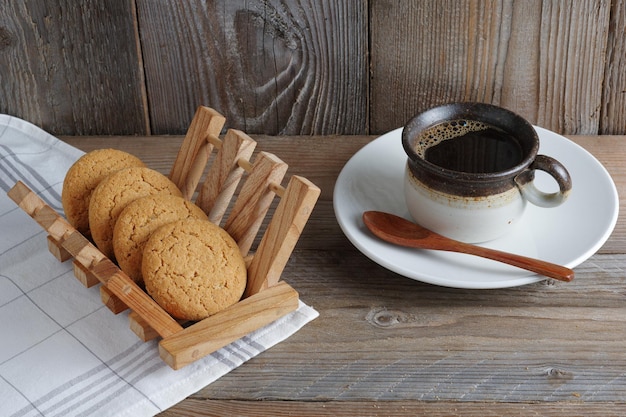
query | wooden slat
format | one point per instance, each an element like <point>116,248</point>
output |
<point>305,68</point>
<point>65,70</point>
<point>613,116</point>
<point>254,200</point>
<point>228,325</point>
<point>57,250</point>
<point>282,234</point>
<point>141,328</point>
<point>200,407</point>
<point>224,174</point>
<point>135,298</point>
<point>84,275</point>
<point>526,56</point>
<point>195,150</point>
<point>84,253</point>
<point>111,301</point>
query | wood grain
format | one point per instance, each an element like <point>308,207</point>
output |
<point>289,67</point>
<point>308,67</point>
<point>254,200</point>
<point>525,56</point>
<point>195,150</point>
<point>439,408</point>
<point>383,337</point>
<point>613,118</point>
<point>228,325</point>
<point>224,174</point>
<point>282,234</point>
<point>73,67</point>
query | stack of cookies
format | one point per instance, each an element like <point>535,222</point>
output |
<point>137,217</point>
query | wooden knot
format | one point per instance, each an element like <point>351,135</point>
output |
<point>549,283</point>
<point>384,318</point>
<point>558,376</point>
<point>6,38</point>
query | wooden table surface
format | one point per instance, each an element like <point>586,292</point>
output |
<point>388,345</point>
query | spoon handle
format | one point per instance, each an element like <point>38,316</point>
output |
<point>538,266</point>
<point>399,231</point>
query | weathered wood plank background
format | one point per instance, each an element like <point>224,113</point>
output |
<point>312,67</point>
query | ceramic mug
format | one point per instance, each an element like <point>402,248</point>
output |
<point>470,170</point>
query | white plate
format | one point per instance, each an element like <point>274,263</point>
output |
<point>567,235</point>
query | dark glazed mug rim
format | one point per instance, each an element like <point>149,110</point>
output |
<point>496,116</point>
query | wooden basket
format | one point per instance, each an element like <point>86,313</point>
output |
<point>265,298</point>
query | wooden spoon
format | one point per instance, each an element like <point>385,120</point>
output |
<point>399,231</point>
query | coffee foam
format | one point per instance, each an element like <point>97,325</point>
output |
<point>445,131</point>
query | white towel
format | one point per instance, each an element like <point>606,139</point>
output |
<point>62,353</point>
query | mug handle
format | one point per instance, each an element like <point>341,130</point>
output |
<point>556,170</point>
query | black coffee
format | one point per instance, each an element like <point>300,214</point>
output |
<point>469,146</point>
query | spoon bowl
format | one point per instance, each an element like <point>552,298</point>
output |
<point>399,231</point>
